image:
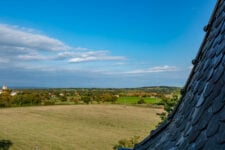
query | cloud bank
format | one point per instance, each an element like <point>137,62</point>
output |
<point>19,45</point>
<point>91,56</point>
<point>156,69</point>
<point>16,38</point>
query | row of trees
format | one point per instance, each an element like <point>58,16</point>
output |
<point>169,105</point>
<point>21,99</point>
<point>99,97</point>
<point>29,98</point>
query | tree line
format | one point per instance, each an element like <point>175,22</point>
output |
<point>30,97</point>
<point>52,97</point>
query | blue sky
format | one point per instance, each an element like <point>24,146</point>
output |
<point>100,43</point>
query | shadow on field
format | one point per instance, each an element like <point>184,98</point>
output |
<point>5,144</point>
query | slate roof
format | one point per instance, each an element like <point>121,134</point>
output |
<point>198,121</point>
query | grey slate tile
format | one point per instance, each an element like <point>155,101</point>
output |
<point>222,115</point>
<point>211,144</point>
<point>218,104</point>
<point>218,73</point>
<point>221,135</point>
<point>213,127</point>
<point>201,141</point>
<point>193,135</point>
<point>204,120</point>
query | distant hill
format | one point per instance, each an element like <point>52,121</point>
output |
<point>161,89</point>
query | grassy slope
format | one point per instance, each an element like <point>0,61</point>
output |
<point>96,127</point>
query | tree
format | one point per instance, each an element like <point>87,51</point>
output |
<point>127,143</point>
<point>169,105</point>
<point>5,100</point>
<point>63,98</point>
<point>141,101</point>
<point>86,99</point>
<point>114,99</point>
<point>108,97</point>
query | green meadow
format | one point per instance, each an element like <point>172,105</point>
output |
<point>134,100</point>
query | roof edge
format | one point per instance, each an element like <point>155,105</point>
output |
<point>207,29</point>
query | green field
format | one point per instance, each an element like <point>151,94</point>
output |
<point>134,100</point>
<point>74,127</point>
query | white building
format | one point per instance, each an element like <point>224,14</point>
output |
<point>5,89</point>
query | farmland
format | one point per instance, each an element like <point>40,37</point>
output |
<point>96,127</point>
<point>34,97</point>
<point>134,100</point>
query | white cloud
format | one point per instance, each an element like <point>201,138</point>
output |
<point>4,60</point>
<point>19,45</point>
<point>156,69</point>
<point>77,57</point>
<point>20,38</point>
<point>85,59</point>
<point>81,48</point>
<point>120,63</point>
<point>32,57</point>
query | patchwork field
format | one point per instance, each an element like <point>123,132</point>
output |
<point>83,127</point>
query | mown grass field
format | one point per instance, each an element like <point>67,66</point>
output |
<point>134,100</point>
<point>74,127</point>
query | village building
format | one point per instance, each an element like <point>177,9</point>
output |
<point>6,90</point>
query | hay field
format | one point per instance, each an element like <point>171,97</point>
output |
<point>74,127</point>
